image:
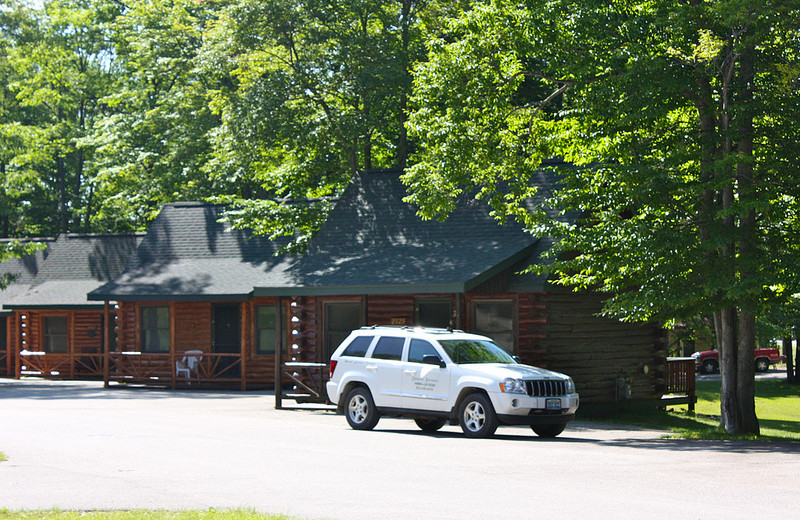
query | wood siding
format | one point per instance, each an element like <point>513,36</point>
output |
<point>5,346</point>
<point>191,328</point>
<point>597,352</point>
<point>83,358</point>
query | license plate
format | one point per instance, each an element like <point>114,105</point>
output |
<point>553,404</point>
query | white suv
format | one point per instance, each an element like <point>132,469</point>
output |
<point>437,375</point>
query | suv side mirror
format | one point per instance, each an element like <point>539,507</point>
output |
<point>430,359</point>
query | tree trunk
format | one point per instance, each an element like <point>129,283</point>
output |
<point>788,351</point>
<point>746,374</point>
<point>728,396</point>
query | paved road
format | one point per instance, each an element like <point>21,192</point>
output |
<point>79,446</point>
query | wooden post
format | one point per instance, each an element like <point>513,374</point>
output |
<point>71,332</point>
<point>243,335</point>
<point>459,324</point>
<point>20,344</point>
<point>172,345</point>
<point>278,352</point>
<point>106,342</point>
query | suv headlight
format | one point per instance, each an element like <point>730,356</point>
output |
<point>512,386</point>
<point>570,386</point>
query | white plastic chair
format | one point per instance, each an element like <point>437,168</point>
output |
<point>188,364</point>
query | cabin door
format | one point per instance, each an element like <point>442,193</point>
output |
<point>227,340</point>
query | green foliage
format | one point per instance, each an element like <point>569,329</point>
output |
<point>622,91</point>
<point>309,93</point>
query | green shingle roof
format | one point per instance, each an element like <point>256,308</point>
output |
<point>371,243</point>
<point>24,271</point>
<point>70,267</point>
<point>374,243</point>
<point>187,254</point>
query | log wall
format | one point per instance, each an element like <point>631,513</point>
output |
<point>191,328</point>
<point>596,351</point>
<point>5,345</point>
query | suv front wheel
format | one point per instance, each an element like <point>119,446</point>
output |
<point>476,416</point>
<point>360,409</point>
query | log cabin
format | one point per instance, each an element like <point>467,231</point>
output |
<point>184,310</point>
<point>202,303</point>
<point>53,331</point>
<point>375,262</point>
<point>20,273</point>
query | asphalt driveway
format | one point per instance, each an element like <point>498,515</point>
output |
<point>80,446</point>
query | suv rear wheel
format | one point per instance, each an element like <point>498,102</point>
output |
<point>360,409</point>
<point>476,416</point>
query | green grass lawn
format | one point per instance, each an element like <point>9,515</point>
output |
<point>210,514</point>
<point>777,408</point>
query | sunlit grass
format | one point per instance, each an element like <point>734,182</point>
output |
<point>209,514</point>
<point>777,408</point>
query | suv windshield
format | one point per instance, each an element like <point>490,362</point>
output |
<point>463,351</point>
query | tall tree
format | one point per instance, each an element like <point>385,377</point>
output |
<point>62,74</point>
<point>314,92</point>
<point>678,120</point>
<point>152,140</point>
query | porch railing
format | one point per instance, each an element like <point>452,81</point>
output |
<point>307,382</point>
<point>185,368</point>
<point>60,365</point>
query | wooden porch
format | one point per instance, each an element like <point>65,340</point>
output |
<point>185,369</point>
<point>73,365</point>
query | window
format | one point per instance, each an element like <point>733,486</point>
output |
<point>266,329</point>
<point>495,319</point>
<point>341,318</point>
<point>420,348</point>
<point>434,313</point>
<point>54,334</point>
<point>358,347</point>
<point>389,348</point>
<point>155,329</point>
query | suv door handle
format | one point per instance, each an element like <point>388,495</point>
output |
<point>372,368</point>
<point>410,372</point>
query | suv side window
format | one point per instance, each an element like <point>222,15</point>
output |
<point>389,348</point>
<point>420,348</point>
<point>358,347</point>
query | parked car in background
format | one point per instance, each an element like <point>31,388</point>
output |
<point>436,376</point>
<point>707,361</point>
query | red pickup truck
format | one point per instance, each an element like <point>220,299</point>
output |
<point>707,361</point>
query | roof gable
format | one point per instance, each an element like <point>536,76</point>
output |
<point>375,242</point>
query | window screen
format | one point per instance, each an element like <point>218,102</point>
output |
<point>434,313</point>
<point>341,318</point>
<point>155,329</point>
<point>495,319</point>
<point>266,329</point>
<point>54,335</point>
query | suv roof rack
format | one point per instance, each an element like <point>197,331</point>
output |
<point>430,330</point>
